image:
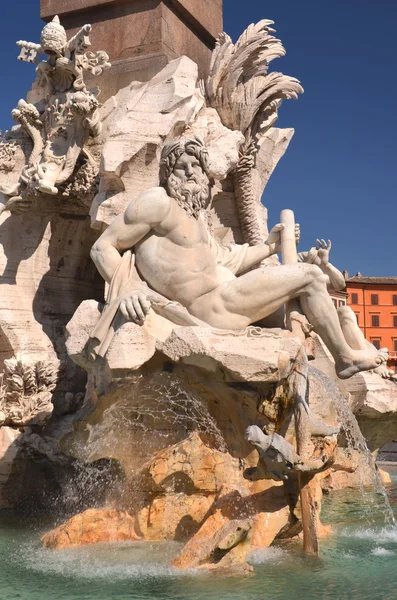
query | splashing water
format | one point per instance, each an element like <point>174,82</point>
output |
<point>356,443</point>
<point>150,414</point>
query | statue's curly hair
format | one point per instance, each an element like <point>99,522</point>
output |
<point>172,151</point>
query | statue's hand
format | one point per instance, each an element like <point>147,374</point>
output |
<point>310,257</point>
<point>274,239</point>
<point>323,250</point>
<point>134,307</point>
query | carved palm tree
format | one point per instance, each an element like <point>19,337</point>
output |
<point>247,99</point>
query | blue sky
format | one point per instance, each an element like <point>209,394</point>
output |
<point>339,174</point>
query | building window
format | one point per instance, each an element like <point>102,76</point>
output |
<point>394,320</point>
<point>355,298</point>
<point>375,320</point>
<point>395,345</point>
<point>376,343</point>
<point>357,318</point>
<point>335,302</point>
<point>374,299</point>
<point>395,299</point>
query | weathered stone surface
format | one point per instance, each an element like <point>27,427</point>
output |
<point>92,527</point>
<point>135,123</point>
<point>206,547</point>
<point>132,345</point>
<point>44,279</point>
<point>222,144</point>
<point>339,480</point>
<point>274,146</point>
<point>246,356</point>
<point>246,523</point>
<point>194,467</point>
<point>267,358</point>
<point>8,453</point>
<point>143,415</point>
<point>385,476</point>
<point>173,516</point>
<point>208,13</point>
<point>351,470</point>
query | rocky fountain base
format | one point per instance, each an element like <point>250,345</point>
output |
<point>176,424</point>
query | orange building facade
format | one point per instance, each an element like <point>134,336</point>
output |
<point>374,302</point>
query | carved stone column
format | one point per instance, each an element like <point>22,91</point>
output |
<point>142,36</point>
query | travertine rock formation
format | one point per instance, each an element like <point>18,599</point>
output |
<point>92,527</point>
<point>175,421</point>
<point>9,451</point>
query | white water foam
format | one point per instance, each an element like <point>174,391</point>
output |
<point>110,562</point>
<point>348,555</point>
<point>379,551</point>
<point>263,555</point>
<point>383,535</point>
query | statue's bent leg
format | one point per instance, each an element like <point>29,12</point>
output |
<point>238,303</point>
<point>355,338</point>
<point>243,300</point>
<point>353,334</point>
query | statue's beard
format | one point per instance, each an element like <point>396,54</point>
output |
<point>193,195</point>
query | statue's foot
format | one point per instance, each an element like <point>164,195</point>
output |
<point>386,373</point>
<point>360,360</point>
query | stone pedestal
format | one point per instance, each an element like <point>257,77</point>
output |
<point>142,36</point>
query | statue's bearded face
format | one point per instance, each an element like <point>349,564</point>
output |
<point>189,185</point>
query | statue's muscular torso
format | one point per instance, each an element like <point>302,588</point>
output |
<point>175,257</point>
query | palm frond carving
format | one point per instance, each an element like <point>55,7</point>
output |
<point>239,86</point>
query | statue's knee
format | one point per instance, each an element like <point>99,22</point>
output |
<point>346,315</point>
<point>315,274</point>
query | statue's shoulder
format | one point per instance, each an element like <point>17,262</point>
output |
<point>152,206</point>
<point>154,194</point>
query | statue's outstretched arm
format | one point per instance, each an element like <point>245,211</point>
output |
<point>127,229</point>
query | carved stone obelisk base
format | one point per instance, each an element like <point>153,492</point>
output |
<point>142,36</point>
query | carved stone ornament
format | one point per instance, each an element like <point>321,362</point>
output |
<point>61,124</point>
<point>7,155</point>
<point>26,392</point>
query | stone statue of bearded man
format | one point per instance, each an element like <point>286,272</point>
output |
<point>219,286</point>
<point>193,194</point>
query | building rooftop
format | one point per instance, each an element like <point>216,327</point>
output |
<point>374,280</point>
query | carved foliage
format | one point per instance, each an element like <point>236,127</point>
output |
<point>7,155</point>
<point>247,98</point>
<point>239,86</point>
<point>26,392</point>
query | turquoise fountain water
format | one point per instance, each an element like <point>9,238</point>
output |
<point>357,563</point>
